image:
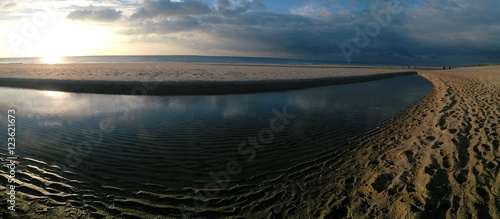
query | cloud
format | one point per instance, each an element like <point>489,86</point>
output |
<point>447,29</point>
<point>270,33</point>
<point>165,8</point>
<point>315,10</point>
<point>228,7</point>
<point>244,26</point>
<point>164,26</point>
<point>8,5</point>
<point>99,15</point>
<point>425,32</point>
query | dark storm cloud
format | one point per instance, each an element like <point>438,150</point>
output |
<point>245,24</point>
<point>164,26</point>
<point>449,29</point>
<point>290,34</point>
<point>421,32</point>
<point>92,14</point>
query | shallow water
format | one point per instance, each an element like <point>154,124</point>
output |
<point>151,154</point>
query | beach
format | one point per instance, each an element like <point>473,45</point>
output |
<point>437,159</point>
<point>183,78</point>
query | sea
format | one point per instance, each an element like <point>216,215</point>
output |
<point>176,58</point>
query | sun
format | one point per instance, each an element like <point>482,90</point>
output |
<point>70,39</point>
<point>52,59</point>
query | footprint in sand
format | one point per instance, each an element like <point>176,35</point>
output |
<point>382,182</point>
<point>437,144</point>
<point>446,162</point>
<point>409,155</point>
<point>461,176</point>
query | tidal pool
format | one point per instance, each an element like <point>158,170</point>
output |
<point>161,155</point>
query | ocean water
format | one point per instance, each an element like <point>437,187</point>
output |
<point>173,58</point>
<point>201,59</point>
<point>149,156</point>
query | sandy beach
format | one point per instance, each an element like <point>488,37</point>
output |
<point>438,159</point>
<point>183,78</point>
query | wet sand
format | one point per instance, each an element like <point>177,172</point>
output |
<point>439,159</point>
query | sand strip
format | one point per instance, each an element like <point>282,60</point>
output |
<point>184,87</point>
<point>180,79</point>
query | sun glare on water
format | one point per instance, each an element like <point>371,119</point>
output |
<point>53,94</point>
<point>52,59</point>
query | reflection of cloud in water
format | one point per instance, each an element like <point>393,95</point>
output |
<point>306,103</point>
<point>176,104</point>
<point>232,111</point>
<point>68,105</point>
<point>51,123</point>
<point>350,99</point>
<point>299,102</point>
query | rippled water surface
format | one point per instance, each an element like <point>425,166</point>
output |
<point>156,155</point>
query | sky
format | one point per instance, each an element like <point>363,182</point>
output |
<point>426,32</point>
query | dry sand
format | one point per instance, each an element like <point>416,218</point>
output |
<point>182,78</point>
<point>439,159</point>
<point>183,71</point>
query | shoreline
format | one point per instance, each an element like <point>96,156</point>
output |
<point>185,87</point>
<point>438,159</point>
<point>184,79</point>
